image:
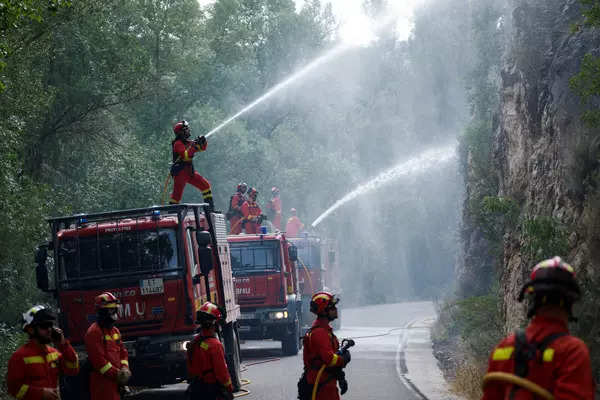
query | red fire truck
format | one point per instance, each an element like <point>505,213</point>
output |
<point>266,284</point>
<point>162,262</point>
<point>318,269</point>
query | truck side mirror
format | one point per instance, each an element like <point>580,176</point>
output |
<point>41,271</point>
<point>205,259</point>
<point>203,238</point>
<point>293,253</point>
<point>331,257</point>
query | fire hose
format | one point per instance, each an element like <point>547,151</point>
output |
<point>517,380</point>
<point>346,344</point>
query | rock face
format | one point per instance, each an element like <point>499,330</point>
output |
<point>540,137</point>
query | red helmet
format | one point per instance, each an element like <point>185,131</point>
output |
<point>322,301</point>
<point>208,311</point>
<point>242,187</point>
<point>275,190</point>
<point>252,192</point>
<point>552,276</point>
<point>181,127</point>
<point>107,300</point>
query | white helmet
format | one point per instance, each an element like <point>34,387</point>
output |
<point>37,314</point>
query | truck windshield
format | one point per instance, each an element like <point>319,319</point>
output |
<point>309,254</point>
<point>119,252</point>
<point>255,257</point>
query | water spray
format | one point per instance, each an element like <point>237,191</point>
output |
<point>328,56</point>
<point>420,163</point>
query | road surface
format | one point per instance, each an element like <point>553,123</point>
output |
<point>376,371</point>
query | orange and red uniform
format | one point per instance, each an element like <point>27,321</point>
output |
<point>563,368</point>
<point>206,361</point>
<point>183,170</point>
<point>293,226</point>
<point>275,206</point>
<point>320,348</point>
<point>251,211</point>
<point>107,355</point>
<point>34,367</point>
<point>235,223</point>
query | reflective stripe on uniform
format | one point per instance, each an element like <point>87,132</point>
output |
<point>52,356</point>
<point>34,360</point>
<point>125,362</point>
<point>502,353</point>
<point>22,391</point>
<point>186,156</point>
<point>105,368</point>
<point>334,360</point>
<point>113,337</point>
<point>548,355</point>
<point>72,365</point>
<point>204,345</point>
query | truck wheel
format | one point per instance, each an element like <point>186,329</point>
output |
<point>291,343</point>
<point>232,351</point>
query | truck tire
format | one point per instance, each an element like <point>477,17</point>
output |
<point>232,354</point>
<point>290,345</point>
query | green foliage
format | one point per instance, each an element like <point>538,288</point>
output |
<point>496,215</point>
<point>591,12</point>
<point>586,83</point>
<point>543,237</point>
<point>476,320</point>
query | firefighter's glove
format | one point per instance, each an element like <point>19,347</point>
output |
<point>50,394</point>
<point>343,385</point>
<point>123,376</point>
<point>201,142</point>
<point>345,354</point>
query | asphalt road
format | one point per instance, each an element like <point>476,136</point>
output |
<point>374,373</point>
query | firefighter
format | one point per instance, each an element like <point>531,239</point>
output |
<point>182,169</point>
<point>321,348</point>
<point>235,209</point>
<point>294,225</point>
<point>106,352</point>
<point>252,217</point>
<point>34,369</point>
<point>274,207</point>
<point>544,353</point>
<point>207,369</point>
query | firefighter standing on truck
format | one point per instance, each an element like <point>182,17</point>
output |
<point>252,214</point>
<point>106,352</point>
<point>34,369</point>
<point>235,209</point>
<point>321,348</point>
<point>182,169</point>
<point>544,354</point>
<point>294,225</point>
<point>274,207</point>
<point>208,375</point>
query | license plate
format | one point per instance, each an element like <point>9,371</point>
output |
<point>247,316</point>
<point>152,286</point>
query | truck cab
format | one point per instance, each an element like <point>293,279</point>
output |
<point>162,263</point>
<point>266,285</point>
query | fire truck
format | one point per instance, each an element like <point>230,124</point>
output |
<point>266,284</point>
<point>318,269</point>
<point>163,263</point>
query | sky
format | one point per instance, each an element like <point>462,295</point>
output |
<point>355,26</point>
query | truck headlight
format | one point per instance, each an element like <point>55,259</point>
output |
<point>278,314</point>
<point>180,345</point>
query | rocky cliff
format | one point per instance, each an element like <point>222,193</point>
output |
<point>543,153</point>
